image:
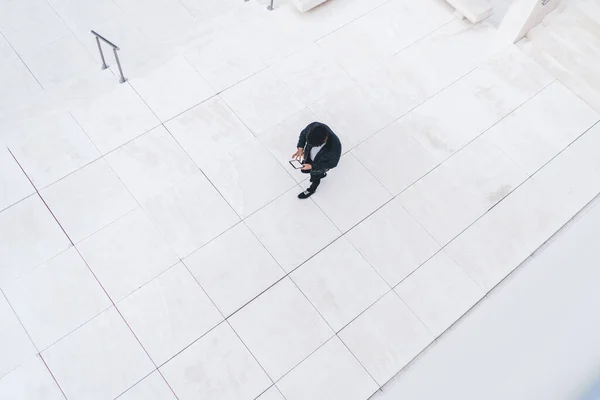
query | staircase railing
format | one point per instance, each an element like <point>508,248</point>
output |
<point>115,49</point>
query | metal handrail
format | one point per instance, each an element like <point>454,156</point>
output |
<point>115,49</point>
<point>269,7</point>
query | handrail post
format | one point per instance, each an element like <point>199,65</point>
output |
<point>115,50</point>
<point>104,66</point>
<point>119,65</point>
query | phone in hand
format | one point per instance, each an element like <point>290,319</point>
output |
<point>296,164</point>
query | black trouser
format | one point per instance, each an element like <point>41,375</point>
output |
<point>315,179</point>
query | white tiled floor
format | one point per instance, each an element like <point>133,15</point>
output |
<point>113,359</point>
<point>216,367</point>
<point>281,328</point>
<point>169,313</point>
<point>193,254</point>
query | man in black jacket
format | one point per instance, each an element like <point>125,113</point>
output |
<point>319,150</point>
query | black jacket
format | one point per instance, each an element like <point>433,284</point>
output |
<point>330,154</point>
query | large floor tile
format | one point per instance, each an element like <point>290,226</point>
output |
<point>31,381</point>
<point>99,360</point>
<point>340,283</point>
<point>60,63</point>
<point>280,328</point>
<point>232,278</point>
<point>350,193</point>
<point>487,251</point>
<point>30,237</point>
<point>249,177</point>
<point>151,163</point>
<point>153,387</point>
<point>127,254</point>
<point>386,337</point>
<point>331,372</point>
<point>486,170</point>
<point>393,242</point>
<point>190,214</point>
<point>51,148</point>
<point>173,88</point>
<point>31,25</point>
<point>281,140</point>
<point>395,158</point>
<point>216,367</point>
<point>88,200</point>
<point>542,127</point>
<point>365,53</point>
<point>209,131</point>
<point>115,118</point>
<point>56,298</point>
<point>169,313</point>
<point>463,111</point>
<point>352,114</point>
<point>443,204</point>
<point>262,101</point>
<point>14,185</point>
<point>439,293</point>
<point>225,59</point>
<point>15,345</point>
<point>271,394</point>
<point>18,84</point>
<point>273,36</point>
<point>420,71</point>
<point>292,230</point>
<point>311,74</point>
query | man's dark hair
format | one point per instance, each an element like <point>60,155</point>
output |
<point>317,136</point>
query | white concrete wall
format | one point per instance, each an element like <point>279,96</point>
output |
<point>522,16</point>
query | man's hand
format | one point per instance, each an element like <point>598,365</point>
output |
<point>299,154</point>
<point>306,167</point>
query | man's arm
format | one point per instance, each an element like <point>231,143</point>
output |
<point>303,134</point>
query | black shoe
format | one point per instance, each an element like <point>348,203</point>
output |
<point>305,195</point>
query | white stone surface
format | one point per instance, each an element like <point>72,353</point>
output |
<point>271,394</point>
<point>386,337</point>
<point>277,140</point>
<point>169,313</point>
<point>292,232</point>
<point>262,101</point>
<point>331,372</point>
<point>190,214</point>
<point>88,200</point>
<point>352,111</point>
<point>340,283</point>
<point>30,237</point>
<point>151,163</point>
<point>153,387</point>
<point>216,367</point>
<point>172,89</point>
<point>50,148</point>
<point>347,205</point>
<point>249,177</point>
<point>127,254</point>
<point>15,344</point>
<point>31,381</point>
<point>99,360</point>
<point>443,127</point>
<point>439,293</point>
<point>56,298</point>
<point>209,131</point>
<point>14,185</point>
<point>114,118</point>
<point>393,242</point>
<point>280,328</point>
